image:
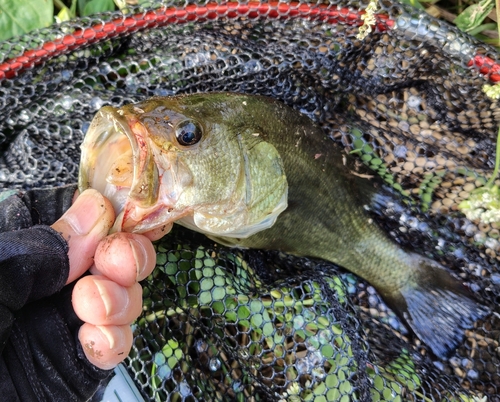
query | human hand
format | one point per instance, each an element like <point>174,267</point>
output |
<point>109,299</point>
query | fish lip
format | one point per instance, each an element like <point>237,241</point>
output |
<point>135,206</point>
<point>111,125</point>
<point>102,129</point>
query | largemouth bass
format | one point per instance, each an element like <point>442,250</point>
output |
<point>249,171</point>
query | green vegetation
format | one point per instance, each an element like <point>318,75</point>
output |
<point>21,16</point>
<point>478,18</point>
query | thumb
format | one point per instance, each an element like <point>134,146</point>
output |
<point>83,226</point>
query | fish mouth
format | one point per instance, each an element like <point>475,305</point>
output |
<point>117,162</point>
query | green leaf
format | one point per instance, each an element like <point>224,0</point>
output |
<point>63,15</point>
<point>474,15</point>
<point>121,4</point>
<point>66,13</point>
<point>482,28</point>
<point>20,16</point>
<point>89,7</point>
<point>73,8</point>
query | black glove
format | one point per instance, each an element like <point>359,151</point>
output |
<point>41,357</point>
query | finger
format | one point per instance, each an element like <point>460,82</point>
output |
<point>100,301</point>
<point>105,346</point>
<point>75,196</point>
<point>125,257</point>
<point>83,226</point>
<point>158,233</point>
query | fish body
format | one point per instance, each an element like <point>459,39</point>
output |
<point>248,171</point>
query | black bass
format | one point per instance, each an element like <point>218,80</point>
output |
<point>249,171</point>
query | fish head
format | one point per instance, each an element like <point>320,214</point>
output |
<point>185,160</point>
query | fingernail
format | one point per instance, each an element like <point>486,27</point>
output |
<point>115,300</point>
<point>140,256</point>
<point>86,212</point>
<point>107,334</point>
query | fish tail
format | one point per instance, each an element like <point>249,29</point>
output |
<point>437,307</point>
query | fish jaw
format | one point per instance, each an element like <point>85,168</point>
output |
<point>117,160</point>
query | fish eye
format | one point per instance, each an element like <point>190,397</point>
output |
<point>188,133</point>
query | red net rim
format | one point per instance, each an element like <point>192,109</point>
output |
<point>164,16</point>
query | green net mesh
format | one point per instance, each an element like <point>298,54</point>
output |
<point>221,324</point>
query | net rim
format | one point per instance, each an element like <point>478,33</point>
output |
<point>163,16</point>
